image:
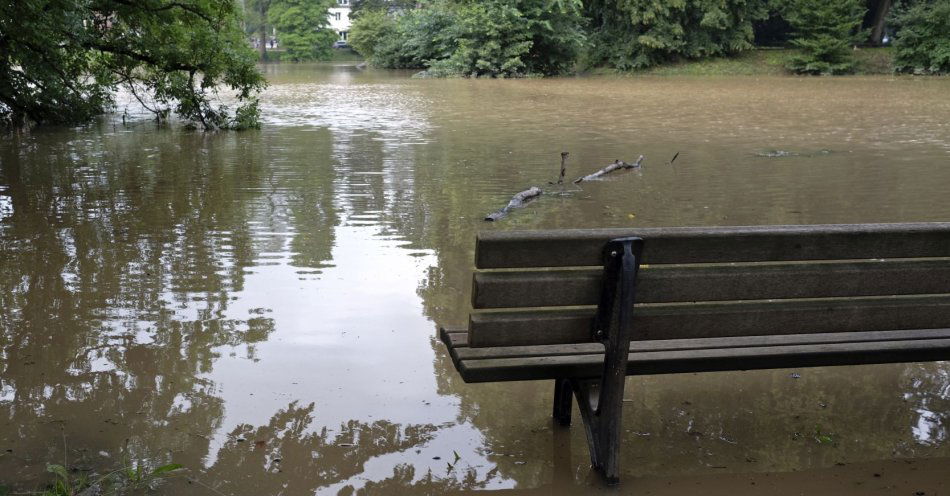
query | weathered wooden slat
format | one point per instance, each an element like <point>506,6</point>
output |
<point>466,353</point>
<point>662,284</point>
<point>580,247</point>
<point>714,320</point>
<point>708,360</point>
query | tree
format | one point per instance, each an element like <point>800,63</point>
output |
<point>825,32</point>
<point>878,9</point>
<point>255,19</point>
<point>303,27</point>
<point>369,31</point>
<point>61,60</point>
<point>922,44</point>
<point>358,7</point>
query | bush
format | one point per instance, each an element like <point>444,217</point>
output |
<point>493,38</point>
<point>922,44</point>
<point>825,32</point>
<point>635,34</point>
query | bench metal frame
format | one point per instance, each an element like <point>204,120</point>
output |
<point>601,401</point>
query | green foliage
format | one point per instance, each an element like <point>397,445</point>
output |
<point>61,60</point>
<point>492,38</point>
<point>922,45</point>
<point>370,30</point>
<point>825,32</point>
<point>634,34</point>
<point>358,7</point>
<point>303,28</point>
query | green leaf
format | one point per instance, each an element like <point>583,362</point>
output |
<point>164,469</point>
<point>58,470</point>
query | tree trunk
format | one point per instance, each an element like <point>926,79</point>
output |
<point>263,31</point>
<point>877,28</point>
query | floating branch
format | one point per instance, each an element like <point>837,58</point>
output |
<point>674,158</point>
<point>560,179</point>
<point>517,201</point>
<point>619,164</point>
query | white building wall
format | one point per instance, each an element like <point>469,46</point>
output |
<point>340,18</point>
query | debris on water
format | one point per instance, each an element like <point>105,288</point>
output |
<point>436,457</point>
<point>520,463</point>
<point>777,153</point>
<point>346,445</point>
<point>241,439</point>
<point>725,439</point>
<point>822,405</point>
<point>786,153</point>
<point>795,375</point>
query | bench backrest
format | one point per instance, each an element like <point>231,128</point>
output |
<point>542,287</point>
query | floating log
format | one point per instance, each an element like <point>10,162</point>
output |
<point>619,164</point>
<point>517,201</point>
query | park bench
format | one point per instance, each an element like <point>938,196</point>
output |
<point>588,307</point>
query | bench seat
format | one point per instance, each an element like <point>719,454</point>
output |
<point>586,360</point>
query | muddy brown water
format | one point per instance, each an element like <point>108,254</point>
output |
<point>261,307</point>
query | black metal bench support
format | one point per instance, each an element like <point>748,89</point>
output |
<point>601,400</point>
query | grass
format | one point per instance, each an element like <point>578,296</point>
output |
<point>765,62</point>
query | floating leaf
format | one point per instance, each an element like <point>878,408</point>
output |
<point>164,469</point>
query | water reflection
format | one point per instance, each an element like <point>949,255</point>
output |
<point>260,306</point>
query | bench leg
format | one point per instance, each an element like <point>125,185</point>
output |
<point>601,402</point>
<point>601,407</point>
<point>563,400</point>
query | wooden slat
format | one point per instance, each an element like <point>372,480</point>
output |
<point>708,360</point>
<point>466,353</point>
<point>565,248</point>
<point>711,320</point>
<point>662,284</point>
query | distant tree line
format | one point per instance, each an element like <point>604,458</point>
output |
<point>506,38</point>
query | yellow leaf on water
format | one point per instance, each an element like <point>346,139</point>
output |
<point>631,216</point>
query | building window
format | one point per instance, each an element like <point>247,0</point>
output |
<point>343,2</point>
<point>336,15</point>
<point>343,35</point>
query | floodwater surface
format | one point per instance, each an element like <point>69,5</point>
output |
<point>261,307</point>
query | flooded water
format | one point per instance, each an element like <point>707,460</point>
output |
<point>261,307</point>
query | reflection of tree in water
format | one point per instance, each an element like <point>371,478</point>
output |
<point>286,457</point>
<point>929,398</point>
<point>91,256</point>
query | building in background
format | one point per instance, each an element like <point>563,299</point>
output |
<point>340,18</point>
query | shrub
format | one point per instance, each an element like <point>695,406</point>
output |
<point>922,44</point>
<point>825,32</point>
<point>493,38</point>
<point>635,34</point>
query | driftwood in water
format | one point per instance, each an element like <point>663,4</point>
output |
<point>619,164</point>
<point>560,179</point>
<point>517,201</point>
